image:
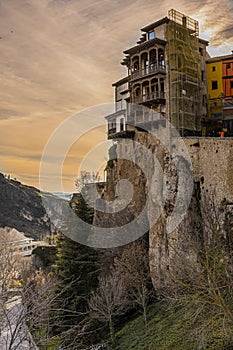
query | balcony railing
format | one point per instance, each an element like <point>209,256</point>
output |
<point>111,131</point>
<point>157,95</point>
<point>156,68</point>
<point>126,132</point>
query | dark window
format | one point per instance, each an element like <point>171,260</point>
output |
<point>214,85</point>
<point>202,75</point>
<point>151,35</point>
<point>213,69</point>
<point>201,51</point>
<point>231,84</point>
<point>228,65</point>
<point>122,124</point>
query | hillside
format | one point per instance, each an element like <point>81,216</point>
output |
<point>21,208</point>
<point>174,327</point>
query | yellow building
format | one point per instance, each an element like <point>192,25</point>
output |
<point>215,88</point>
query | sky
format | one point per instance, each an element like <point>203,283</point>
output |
<point>60,58</point>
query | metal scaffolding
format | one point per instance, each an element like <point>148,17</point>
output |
<point>184,71</point>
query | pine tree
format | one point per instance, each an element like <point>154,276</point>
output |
<point>77,273</point>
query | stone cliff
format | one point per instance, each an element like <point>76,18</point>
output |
<point>161,183</point>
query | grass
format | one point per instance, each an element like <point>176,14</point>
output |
<point>173,327</point>
<point>51,344</point>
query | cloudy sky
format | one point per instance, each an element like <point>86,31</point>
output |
<point>59,57</point>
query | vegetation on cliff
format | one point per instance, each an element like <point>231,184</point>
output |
<point>173,326</point>
<point>82,296</point>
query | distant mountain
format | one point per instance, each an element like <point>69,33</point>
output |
<point>21,207</point>
<point>63,195</point>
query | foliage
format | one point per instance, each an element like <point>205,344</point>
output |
<point>110,163</point>
<point>44,257</point>
<point>77,273</point>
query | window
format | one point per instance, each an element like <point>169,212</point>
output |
<point>213,69</point>
<point>202,75</point>
<point>228,65</point>
<point>151,35</point>
<point>214,85</point>
<point>231,84</point>
<point>122,124</point>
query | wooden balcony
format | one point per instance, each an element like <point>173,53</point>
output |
<point>127,133</point>
<point>154,69</point>
<point>158,96</point>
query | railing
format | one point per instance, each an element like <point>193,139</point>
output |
<point>128,132</point>
<point>157,95</point>
<point>111,131</point>
<point>156,68</point>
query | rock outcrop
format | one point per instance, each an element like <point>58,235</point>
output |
<point>160,176</point>
<point>21,207</point>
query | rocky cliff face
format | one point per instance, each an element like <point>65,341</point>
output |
<point>21,208</point>
<point>174,205</point>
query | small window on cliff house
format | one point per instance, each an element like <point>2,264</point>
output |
<point>214,85</point>
<point>213,69</point>
<point>228,66</point>
<point>231,84</point>
<point>122,124</point>
<point>151,35</point>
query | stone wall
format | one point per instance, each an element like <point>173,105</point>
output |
<point>212,160</point>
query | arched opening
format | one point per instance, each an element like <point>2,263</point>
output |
<point>137,90</point>
<point>145,88</point>
<point>161,57</point>
<point>152,58</point>
<point>136,93</point>
<point>155,87</point>
<point>135,63</point>
<point>145,62</point>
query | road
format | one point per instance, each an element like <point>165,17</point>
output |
<point>14,332</point>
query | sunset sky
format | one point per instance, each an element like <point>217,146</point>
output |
<point>59,57</point>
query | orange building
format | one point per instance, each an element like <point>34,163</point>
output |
<point>220,92</point>
<point>227,76</point>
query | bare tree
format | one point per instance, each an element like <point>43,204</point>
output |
<point>86,177</point>
<point>109,301</point>
<point>21,312</point>
<point>27,317</point>
<point>208,280</point>
<point>9,262</point>
<point>133,266</point>
<point>30,311</point>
